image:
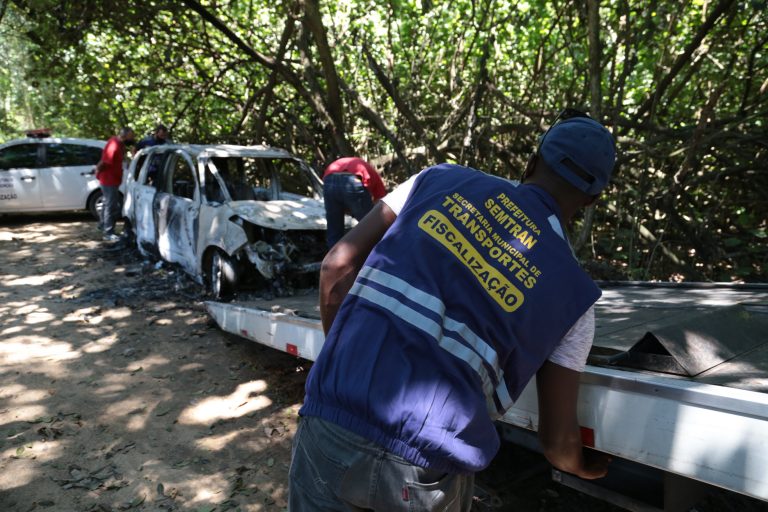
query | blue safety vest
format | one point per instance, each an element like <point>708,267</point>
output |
<point>454,311</point>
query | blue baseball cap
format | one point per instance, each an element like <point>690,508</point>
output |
<point>581,151</point>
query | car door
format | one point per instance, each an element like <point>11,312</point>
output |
<point>130,181</point>
<point>141,211</point>
<point>19,184</point>
<point>68,176</point>
<point>177,208</point>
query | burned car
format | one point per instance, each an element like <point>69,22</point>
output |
<point>233,217</point>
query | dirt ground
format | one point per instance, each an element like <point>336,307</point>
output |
<point>118,393</point>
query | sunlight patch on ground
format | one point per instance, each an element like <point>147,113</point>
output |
<point>110,389</point>
<point>21,472</point>
<point>30,280</point>
<point>199,493</point>
<point>117,313</point>
<point>134,410</point>
<point>244,400</point>
<point>89,315</point>
<point>209,491</point>
<point>191,367</point>
<point>39,317</point>
<point>23,410</point>
<point>11,330</point>
<point>29,395</point>
<point>147,364</point>
<point>100,345</point>
<point>95,315</point>
<point>216,443</point>
<point>25,349</point>
<point>25,308</point>
<point>90,331</point>
<point>39,452</point>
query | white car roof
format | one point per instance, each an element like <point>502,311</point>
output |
<point>55,140</point>
<point>222,150</point>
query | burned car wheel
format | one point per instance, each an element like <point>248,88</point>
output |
<point>129,233</point>
<point>222,275</point>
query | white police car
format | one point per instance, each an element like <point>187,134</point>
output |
<point>41,173</point>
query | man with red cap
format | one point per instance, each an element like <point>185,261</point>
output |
<point>350,185</point>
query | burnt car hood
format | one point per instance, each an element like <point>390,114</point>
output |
<point>290,214</point>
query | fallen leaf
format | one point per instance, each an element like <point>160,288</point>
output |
<point>41,419</point>
<point>135,502</point>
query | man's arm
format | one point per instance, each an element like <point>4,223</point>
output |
<point>559,433</point>
<point>343,262</point>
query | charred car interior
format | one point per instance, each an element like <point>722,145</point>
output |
<point>233,217</point>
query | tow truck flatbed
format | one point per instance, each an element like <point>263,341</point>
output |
<point>702,415</point>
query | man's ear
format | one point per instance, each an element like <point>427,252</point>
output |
<point>529,167</point>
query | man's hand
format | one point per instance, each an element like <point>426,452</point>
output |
<point>595,464</point>
<point>559,433</point>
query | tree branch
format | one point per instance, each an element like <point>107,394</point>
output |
<point>685,57</point>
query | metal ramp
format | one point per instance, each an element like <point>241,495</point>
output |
<point>696,342</point>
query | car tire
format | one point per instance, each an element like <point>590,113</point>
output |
<point>96,203</point>
<point>222,275</point>
<point>128,232</point>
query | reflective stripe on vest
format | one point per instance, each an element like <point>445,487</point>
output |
<point>470,348</point>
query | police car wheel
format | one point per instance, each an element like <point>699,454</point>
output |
<point>96,204</point>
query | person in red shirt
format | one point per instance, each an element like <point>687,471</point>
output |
<point>109,172</point>
<point>350,185</point>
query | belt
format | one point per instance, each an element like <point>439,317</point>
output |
<point>341,173</point>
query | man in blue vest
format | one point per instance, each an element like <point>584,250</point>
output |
<point>439,307</point>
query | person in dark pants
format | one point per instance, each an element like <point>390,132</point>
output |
<point>109,172</point>
<point>350,185</point>
<point>438,307</point>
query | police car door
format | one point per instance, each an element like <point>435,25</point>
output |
<point>68,177</point>
<point>19,184</point>
<point>177,207</point>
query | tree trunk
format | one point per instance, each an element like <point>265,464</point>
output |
<point>313,21</point>
<point>595,90</point>
<point>270,87</point>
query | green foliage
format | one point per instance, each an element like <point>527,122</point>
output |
<point>681,85</point>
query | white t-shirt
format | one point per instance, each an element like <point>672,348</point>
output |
<point>573,349</point>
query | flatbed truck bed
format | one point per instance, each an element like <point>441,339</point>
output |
<point>697,410</point>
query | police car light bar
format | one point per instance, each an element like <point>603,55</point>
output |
<point>39,133</point>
